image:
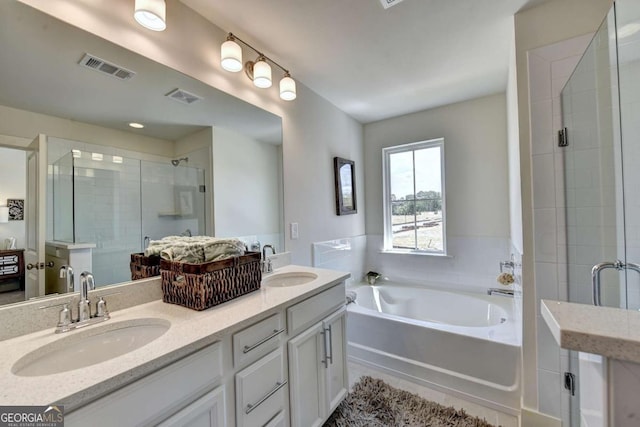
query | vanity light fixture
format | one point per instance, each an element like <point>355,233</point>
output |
<point>136,125</point>
<point>259,71</point>
<point>76,153</point>
<point>97,157</point>
<point>151,14</point>
<point>117,159</point>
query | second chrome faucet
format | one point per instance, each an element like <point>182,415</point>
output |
<point>87,283</point>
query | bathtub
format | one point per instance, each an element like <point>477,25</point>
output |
<point>461,343</point>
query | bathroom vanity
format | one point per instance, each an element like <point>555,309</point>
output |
<point>608,340</point>
<point>275,357</point>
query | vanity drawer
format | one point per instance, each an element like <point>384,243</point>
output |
<point>261,391</point>
<point>309,311</point>
<point>252,343</point>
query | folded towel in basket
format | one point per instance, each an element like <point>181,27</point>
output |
<point>195,250</point>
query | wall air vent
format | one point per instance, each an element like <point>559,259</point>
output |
<point>97,64</point>
<point>388,3</point>
<point>183,96</point>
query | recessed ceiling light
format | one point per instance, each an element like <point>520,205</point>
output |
<point>136,125</point>
<point>97,156</point>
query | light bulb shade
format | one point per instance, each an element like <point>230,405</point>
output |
<point>231,56</point>
<point>151,14</point>
<point>4,214</point>
<point>287,88</point>
<point>262,74</point>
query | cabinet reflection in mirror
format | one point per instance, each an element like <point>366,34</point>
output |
<point>204,162</point>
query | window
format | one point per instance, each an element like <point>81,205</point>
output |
<point>414,197</point>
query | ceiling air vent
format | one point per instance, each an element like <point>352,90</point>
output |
<point>388,3</point>
<point>183,96</point>
<point>105,67</point>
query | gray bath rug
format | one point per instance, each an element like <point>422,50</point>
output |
<point>374,403</point>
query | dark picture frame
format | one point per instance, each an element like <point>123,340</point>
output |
<point>345,184</point>
<point>16,209</point>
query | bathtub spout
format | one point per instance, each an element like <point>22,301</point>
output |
<point>501,292</point>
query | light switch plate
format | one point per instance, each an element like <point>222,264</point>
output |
<point>294,230</point>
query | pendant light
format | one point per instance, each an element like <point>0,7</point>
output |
<point>151,14</point>
<point>261,73</point>
<point>231,55</point>
<point>287,88</point>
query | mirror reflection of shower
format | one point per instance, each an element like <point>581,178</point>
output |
<point>176,162</point>
<point>113,202</point>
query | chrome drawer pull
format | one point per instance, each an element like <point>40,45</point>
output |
<point>278,386</point>
<point>330,355</point>
<point>248,348</point>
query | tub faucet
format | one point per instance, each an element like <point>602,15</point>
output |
<point>267,267</point>
<point>66,272</point>
<point>501,292</point>
<point>84,305</point>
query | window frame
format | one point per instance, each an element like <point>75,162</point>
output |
<point>386,195</point>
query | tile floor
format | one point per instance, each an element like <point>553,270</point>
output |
<point>490,415</point>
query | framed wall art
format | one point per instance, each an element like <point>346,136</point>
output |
<point>16,209</point>
<point>345,183</point>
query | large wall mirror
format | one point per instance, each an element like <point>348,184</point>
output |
<point>204,163</point>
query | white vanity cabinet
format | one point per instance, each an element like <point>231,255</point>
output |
<point>286,368</point>
<point>185,390</point>
<point>208,411</point>
<point>317,358</point>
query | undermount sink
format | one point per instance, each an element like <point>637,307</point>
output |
<point>294,278</point>
<point>89,347</point>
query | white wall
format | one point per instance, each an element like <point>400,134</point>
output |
<point>13,185</point>
<point>477,192</point>
<point>247,187</point>
<point>314,130</point>
<point>26,124</point>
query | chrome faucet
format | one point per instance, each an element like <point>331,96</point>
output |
<point>267,267</point>
<point>66,272</point>
<point>501,292</point>
<point>84,305</point>
<point>85,317</point>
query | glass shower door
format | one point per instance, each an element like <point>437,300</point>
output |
<point>595,207</point>
<point>628,43</point>
<point>173,200</point>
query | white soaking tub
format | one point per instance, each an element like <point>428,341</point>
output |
<point>461,343</point>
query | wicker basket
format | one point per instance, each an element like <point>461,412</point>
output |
<point>144,266</point>
<point>201,286</point>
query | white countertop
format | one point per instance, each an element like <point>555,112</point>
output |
<point>190,331</point>
<point>611,332</point>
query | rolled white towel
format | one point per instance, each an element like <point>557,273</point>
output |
<point>351,297</point>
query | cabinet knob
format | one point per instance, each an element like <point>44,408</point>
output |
<point>31,266</point>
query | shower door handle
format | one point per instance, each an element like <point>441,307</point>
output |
<point>595,276</point>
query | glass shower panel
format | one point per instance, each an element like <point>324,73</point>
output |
<point>594,203</point>
<point>173,200</point>
<point>628,36</point>
<point>594,199</point>
<point>107,202</point>
<point>62,197</point>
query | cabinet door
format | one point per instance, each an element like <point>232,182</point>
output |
<point>336,372</point>
<point>307,360</point>
<point>208,411</point>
